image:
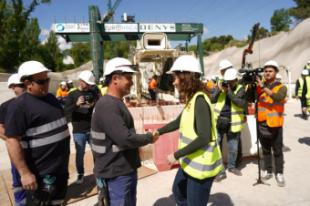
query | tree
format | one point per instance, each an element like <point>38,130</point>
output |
<point>280,20</point>
<point>19,37</point>
<point>80,52</point>
<point>301,11</point>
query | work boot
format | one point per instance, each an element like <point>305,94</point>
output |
<point>220,177</point>
<point>235,171</point>
<point>80,179</point>
<point>280,180</point>
<point>266,175</point>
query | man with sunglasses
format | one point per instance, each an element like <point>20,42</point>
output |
<point>114,141</point>
<point>271,100</point>
<point>79,106</point>
<point>17,87</point>
<point>38,139</point>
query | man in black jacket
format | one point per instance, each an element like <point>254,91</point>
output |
<point>114,141</point>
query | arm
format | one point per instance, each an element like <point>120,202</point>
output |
<point>215,95</point>
<point>280,95</point>
<point>16,154</point>
<point>2,136</point>
<point>202,128</point>
<point>238,99</point>
<point>171,126</point>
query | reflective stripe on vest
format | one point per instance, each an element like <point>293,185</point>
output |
<point>45,140</point>
<point>98,135</point>
<point>301,84</point>
<point>57,202</point>
<point>270,111</point>
<point>46,127</point>
<point>207,161</point>
<point>98,149</point>
<point>237,113</point>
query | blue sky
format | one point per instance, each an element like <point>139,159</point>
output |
<point>220,17</point>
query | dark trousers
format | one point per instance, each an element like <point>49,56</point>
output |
<point>18,191</point>
<point>152,93</point>
<point>189,191</point>
<point>273,143</point>
<point>123,190</point>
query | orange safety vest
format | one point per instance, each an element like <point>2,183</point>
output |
<point>61,93</point>
<point>153,84</point>
<point>270,111</point>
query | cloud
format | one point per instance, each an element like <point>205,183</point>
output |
<point>68,60</point>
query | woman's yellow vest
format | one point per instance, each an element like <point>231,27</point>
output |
<point>205,162</point>
<point>237,113</point>
<point>308,92</point>
<point>301,85</point>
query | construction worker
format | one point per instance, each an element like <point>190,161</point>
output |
<point>299,91</point>
<point>70,86</point>
<point>18,88</point>
<point>38,139</point>
<point>271,100</point>
<point>152,88</point>
<point>114,140</point>
<point>62,92</point>
<point>79,106</point>
<point>230,104</point>
<point>102,86</point>
<point>306,93</point>
<point>198,153</point>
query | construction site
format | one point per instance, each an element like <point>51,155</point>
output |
<point>154,54</point>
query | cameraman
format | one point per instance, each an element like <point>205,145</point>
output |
<point>230,104</point>
<point>79,105</point>
<point>271,100</point>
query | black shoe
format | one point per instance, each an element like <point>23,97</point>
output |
<point>80,179</point>
<point>235,171</point>
<point>220,177</point>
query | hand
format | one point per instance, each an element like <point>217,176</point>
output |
<point>259,82</point>
<point>171,159</point>
<point>155,135</point>
<point>29,181</point>
<point>80,101</point>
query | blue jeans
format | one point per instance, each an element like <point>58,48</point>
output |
<point>80,140</point>
<point>233,139</point>
<point>18,191</point>
<point>123,190</point>
<point>189,191</point>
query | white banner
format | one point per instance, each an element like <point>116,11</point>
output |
<point>71,28</point>
<point>121,27</point>
<point>153,27</point>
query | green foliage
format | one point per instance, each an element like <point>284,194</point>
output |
<point>280,20</point>
<point>215,44</point>
<point>19,39</point>
<point>80,52</point>
<point>114,49</point>
<point>301,11</point>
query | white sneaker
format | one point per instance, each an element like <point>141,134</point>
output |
<point>266,175</point>
<point>280,180</point>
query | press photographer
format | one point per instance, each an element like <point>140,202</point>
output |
<point>230,104</point>
<point>270,116</point>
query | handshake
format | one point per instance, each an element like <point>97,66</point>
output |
<point>155,135</point>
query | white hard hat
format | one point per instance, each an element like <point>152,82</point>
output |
<point>118,64</point>
<point>88,77</point>
<point>30,68</point>
<point>308,62</point>
<point>225,64</point>
<point>230,74</point>
<point>185,63</point>
<point>214,77</point>
<point>278,76</point>
<point>101,79</point>
<point>63,83</point>
<point>272,63</point>
<point>69,81</point>
<point>305,72</point>
<point>14,79</point>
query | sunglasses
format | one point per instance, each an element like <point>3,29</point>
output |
<point>41,81</point>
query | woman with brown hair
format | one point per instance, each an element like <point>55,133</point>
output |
<point>198,153</point>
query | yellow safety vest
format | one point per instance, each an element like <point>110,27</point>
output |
<point>301,84</point>
<point>104,90</point>
<point>308,92</point>
<point>72,89</point>
<point>237,113</point>
<point>205,162</point>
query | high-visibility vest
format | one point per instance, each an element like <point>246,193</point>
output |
<point>61,92</point>
<point>307,66</point>
<point>301,84</point>
<point>237,113</point>
<point>270,111</point>
<point>207,161</point>
<point>72,89</point>
<point>308,92</point>
<point>104,90</point>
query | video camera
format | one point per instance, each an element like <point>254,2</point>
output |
<point>249,75</point>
